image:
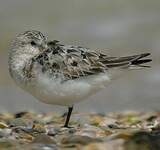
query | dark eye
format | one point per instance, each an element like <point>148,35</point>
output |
<point>33,43</point>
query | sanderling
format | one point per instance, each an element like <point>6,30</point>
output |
<point>62,74</point>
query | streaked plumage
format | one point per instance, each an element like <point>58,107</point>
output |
<point>63,74</point>
<point>72,62</point>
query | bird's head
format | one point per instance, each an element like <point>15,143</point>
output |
<point>29,43</point>
<point>25,46</point>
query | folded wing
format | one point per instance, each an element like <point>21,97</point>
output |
<point>73,62</point>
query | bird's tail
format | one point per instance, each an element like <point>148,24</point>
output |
<point>132,62</point>
<point>117,65</point>
<point>139,61</point>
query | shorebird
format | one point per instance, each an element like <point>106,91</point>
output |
<point>63,74</point>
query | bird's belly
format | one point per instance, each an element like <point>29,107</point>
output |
<point>53,91</point>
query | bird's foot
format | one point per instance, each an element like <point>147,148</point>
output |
<point>66,126</point>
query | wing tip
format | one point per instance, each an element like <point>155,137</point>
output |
<point>140,61</point>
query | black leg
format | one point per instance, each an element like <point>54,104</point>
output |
<point>68,116</point>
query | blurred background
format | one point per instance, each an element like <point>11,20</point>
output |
<point>118,27</point>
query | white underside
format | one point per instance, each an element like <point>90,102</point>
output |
<point>53,91</point>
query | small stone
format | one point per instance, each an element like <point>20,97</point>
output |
<point>77,139</point>
<point>26,137</point>
<point>38,128</point>
<point>17,122</point>
<point>95,146</point>
<point>20,114</point>
<point>96,120</point>
<point>53,131</point>
<point>53,118</point>
<point>111,145</point>
<point>122,135</point>
<point>67,131</point>
<point>38,146</point>
<point>3,125</point>
<point>44,139</point>
<point>5,132</point>
<point>143,141</point>
<point>80,119</point>
<point>92,131</point>
<point>8,144</point>
<point>88,133</point>
<point>47,118</point>
<point>34,131</point>
<point>108,121</point>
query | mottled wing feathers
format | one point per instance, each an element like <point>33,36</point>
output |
<point>73,62</point>
<point>80,61</point>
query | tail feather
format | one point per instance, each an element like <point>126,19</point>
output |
<point>128,61</point>
<point>140,60</point>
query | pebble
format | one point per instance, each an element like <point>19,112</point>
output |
<point>39,128</point>
<point>27,137</point>
<point>143,141</point>
<point>81,119</point>
<point>111,145</point>
<point>5,132</point>
<point>17,122</point>
<point>91,131</point>
<point>3,125</point>
<point>44,139</point>
<point>115,131</point>
<point>78,139</point>
<point>8,144</point>
<point>53,131</point>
